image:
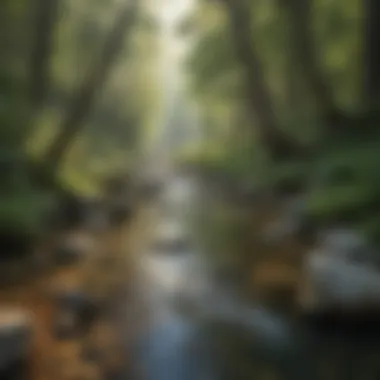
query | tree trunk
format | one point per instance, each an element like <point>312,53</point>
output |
<point>257,91</point>
<point>305,52</point>
<point>293,99</point>
<point>46,14</point>
<point>83,101</point>
<point>372,52</point>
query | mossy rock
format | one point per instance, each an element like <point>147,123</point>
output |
<point>120,214</point>
<point>77,311</point>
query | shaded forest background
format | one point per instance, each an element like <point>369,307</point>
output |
<point>287,92</point>
<point>78,100</point>
<point>289,100</point>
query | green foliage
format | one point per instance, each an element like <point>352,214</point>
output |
<point>24,206</point>
<point>294,174</point>
<point>347,188</point>
<point>14,111</point>
<point>14,123</point>
<point>215,73</point>
<point>24,213</point>
<point>341,181</point>
<point>124,109</point>
<point>116,125</point>
<point>212,62</point>
<point>338,26</point>
<point>340,203</point>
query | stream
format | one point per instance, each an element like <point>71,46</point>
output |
<point>185,304</point>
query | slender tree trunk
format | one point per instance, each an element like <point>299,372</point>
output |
<point>46,14</point>
<point>83,101</point>
<point>305,52</point>
<point>257,91</point>
<point>292,87</point>
<point>372,52</point>
<point>4,34</point>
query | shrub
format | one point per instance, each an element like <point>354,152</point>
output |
<point>24,206</point>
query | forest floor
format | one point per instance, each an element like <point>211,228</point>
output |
<point>64,359</point>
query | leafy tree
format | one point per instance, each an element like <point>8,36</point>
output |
<point>306,62</point>
<point>82,103</point>
<point>47,49</point>
<point>372,53</point>
<point>46,16</point>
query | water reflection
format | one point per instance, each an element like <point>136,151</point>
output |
<point>186,306</point>
<point>201,329</point>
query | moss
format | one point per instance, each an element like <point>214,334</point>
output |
<point>340,202</point>
<point>24,203</point>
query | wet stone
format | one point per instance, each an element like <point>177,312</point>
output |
<point>64,326</point>
<point>70,213</point>
<point>73,249</point>
<point>150,190</point>
<point>14,245</point>
<point>293,223</point>
<point>342,273</point>
<point>91,354</point>
<point>119,214</point>
<point>66,255</point>
<point>15,335</point>
<point>75,212</point>
<point>76,313</point>
<point>348,245</point>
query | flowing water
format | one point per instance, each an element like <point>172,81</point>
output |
<point>184,303</point>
